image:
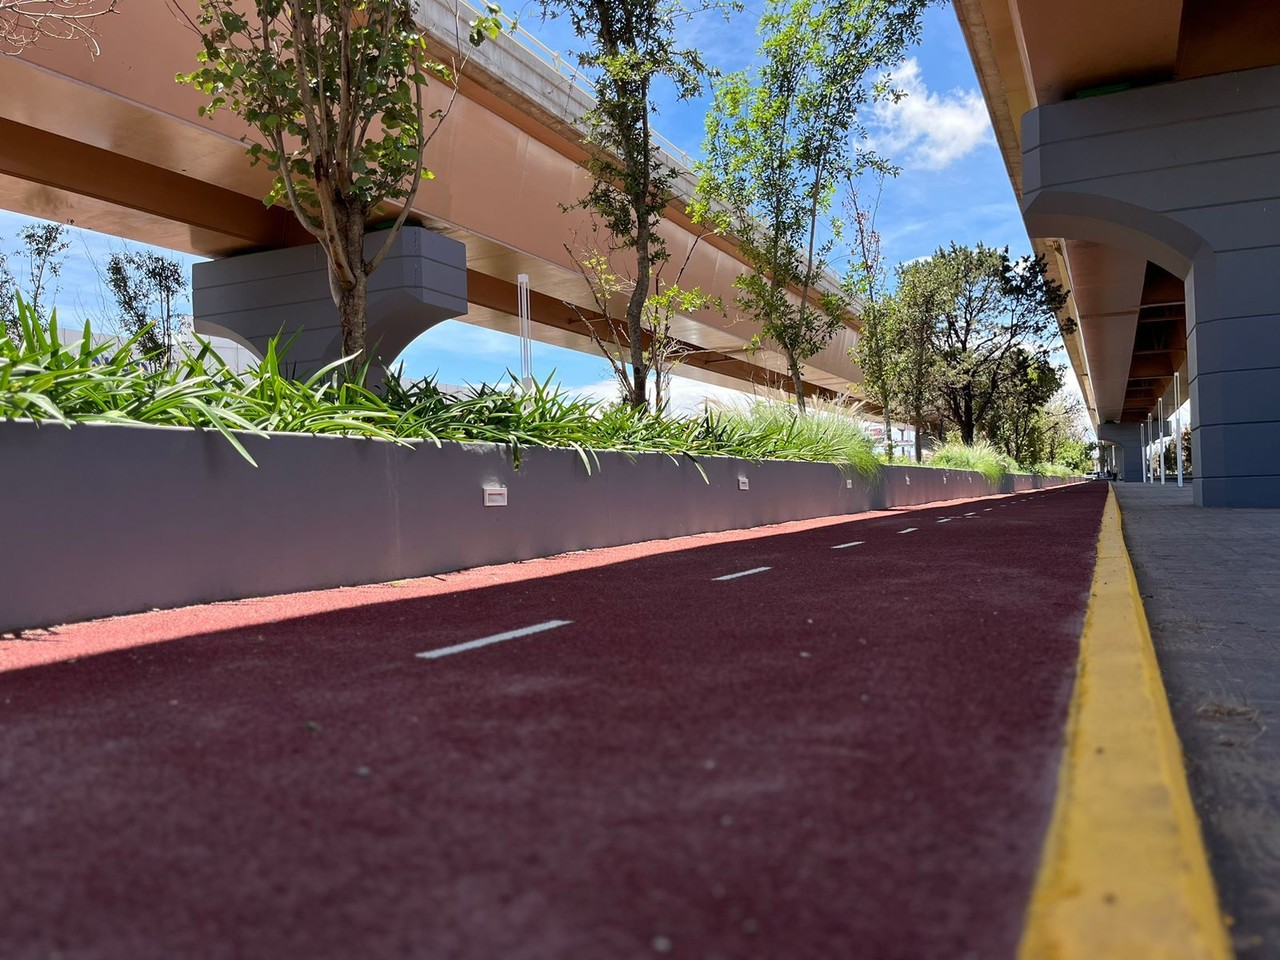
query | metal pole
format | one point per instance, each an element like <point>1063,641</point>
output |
<point>1160,405</point>
<point>526,330</point>
<point>1177,425</point>
<point>1151,440</point>
<point>1142,444</point>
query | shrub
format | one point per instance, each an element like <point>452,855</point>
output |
<point>980,456</point>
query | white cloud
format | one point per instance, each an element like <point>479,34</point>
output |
<point>928,130</point>
<point>687,397</point>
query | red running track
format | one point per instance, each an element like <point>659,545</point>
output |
<point>851,754</point>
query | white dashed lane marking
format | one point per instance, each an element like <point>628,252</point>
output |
<point>496,638</point>
<point>853,543</point>
<point>909,530</point>
<point>744,573</point>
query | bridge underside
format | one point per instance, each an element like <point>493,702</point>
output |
<point>115,146</point>
<point>1143,142</point>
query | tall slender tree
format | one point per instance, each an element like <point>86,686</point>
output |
<point>147,287</point>
<point>782,137</point>
<point>630,46</point>
<point>918,301</point>
<point>44,248</point>
<point>876,349</point>
<point>335,91</point>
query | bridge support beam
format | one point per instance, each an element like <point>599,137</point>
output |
<point>253,297</point>
<point>1166,172</point>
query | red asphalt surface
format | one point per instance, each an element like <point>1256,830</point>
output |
<point>851,754</point>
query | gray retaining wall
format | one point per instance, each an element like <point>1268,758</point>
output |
<point>105,520</point>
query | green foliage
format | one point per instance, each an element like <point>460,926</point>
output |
<point>982,456</point>
<point>1171,454</point>
<point>898,348</point>
<point>1076,455</point>
<point>827,433</point>
<point>1016,419</point>
<point>1053,470</point>
<point>43,378</point>
<point>660,349</point>
<point>780,142</point>
<point>985,308</point>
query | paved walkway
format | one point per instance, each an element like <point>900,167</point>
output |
<point>832,739</point>
<point>1211,583</point>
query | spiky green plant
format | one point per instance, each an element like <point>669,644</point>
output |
<point>44,378</point>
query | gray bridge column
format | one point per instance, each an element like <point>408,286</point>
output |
<point>1186,175</point>
<point>256,296</point>
<point>1127,439</point>
<point>1233,355</point>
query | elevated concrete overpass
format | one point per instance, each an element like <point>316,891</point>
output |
<point>1142,140</point>
<point>116,145</point>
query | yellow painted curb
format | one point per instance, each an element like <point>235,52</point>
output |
<point>1124,872</point>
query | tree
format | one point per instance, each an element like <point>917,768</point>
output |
<point>876,348</point>
<point>1067,427</point>
<point>991,307</point>
<point>24,23</point>
<point>1016,418</point>
<point>782,139</point>
<point>611,332</point>
<point>44,246</point>
<point>631,45</point>
<point>915,305</point>
<point>8,300</point>
<point>1171,455</point>
<point>335,92</point>
<point>146,287</point>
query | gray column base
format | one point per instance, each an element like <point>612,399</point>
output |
<point>285,293</point>
<point>1237,465</point>
<point>1237,491</point>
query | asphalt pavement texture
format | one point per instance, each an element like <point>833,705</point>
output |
<point>849,752</point>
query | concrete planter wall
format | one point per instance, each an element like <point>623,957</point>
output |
<point>105,520</point>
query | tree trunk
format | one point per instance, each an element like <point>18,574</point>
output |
<point>919,427</point>
<point>888,434</point>
<point>797,379</point>
<point>350,287</point>
<point>352,304</point>
<point>635,313</point>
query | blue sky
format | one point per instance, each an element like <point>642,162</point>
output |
<point>953,186</point>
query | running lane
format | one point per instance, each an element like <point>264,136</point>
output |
<point>847,752</point>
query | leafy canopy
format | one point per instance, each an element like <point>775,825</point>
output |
<point>781,142</point>
<point>343,106</point>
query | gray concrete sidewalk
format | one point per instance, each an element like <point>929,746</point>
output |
<point>1210,580</point>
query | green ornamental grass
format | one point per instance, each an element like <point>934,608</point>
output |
<point>43,378</point>
<point>981,456</point>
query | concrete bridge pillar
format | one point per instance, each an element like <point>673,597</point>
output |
<point>253,297</point>
<point>1185,174</point>
<point>1126,439</point>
